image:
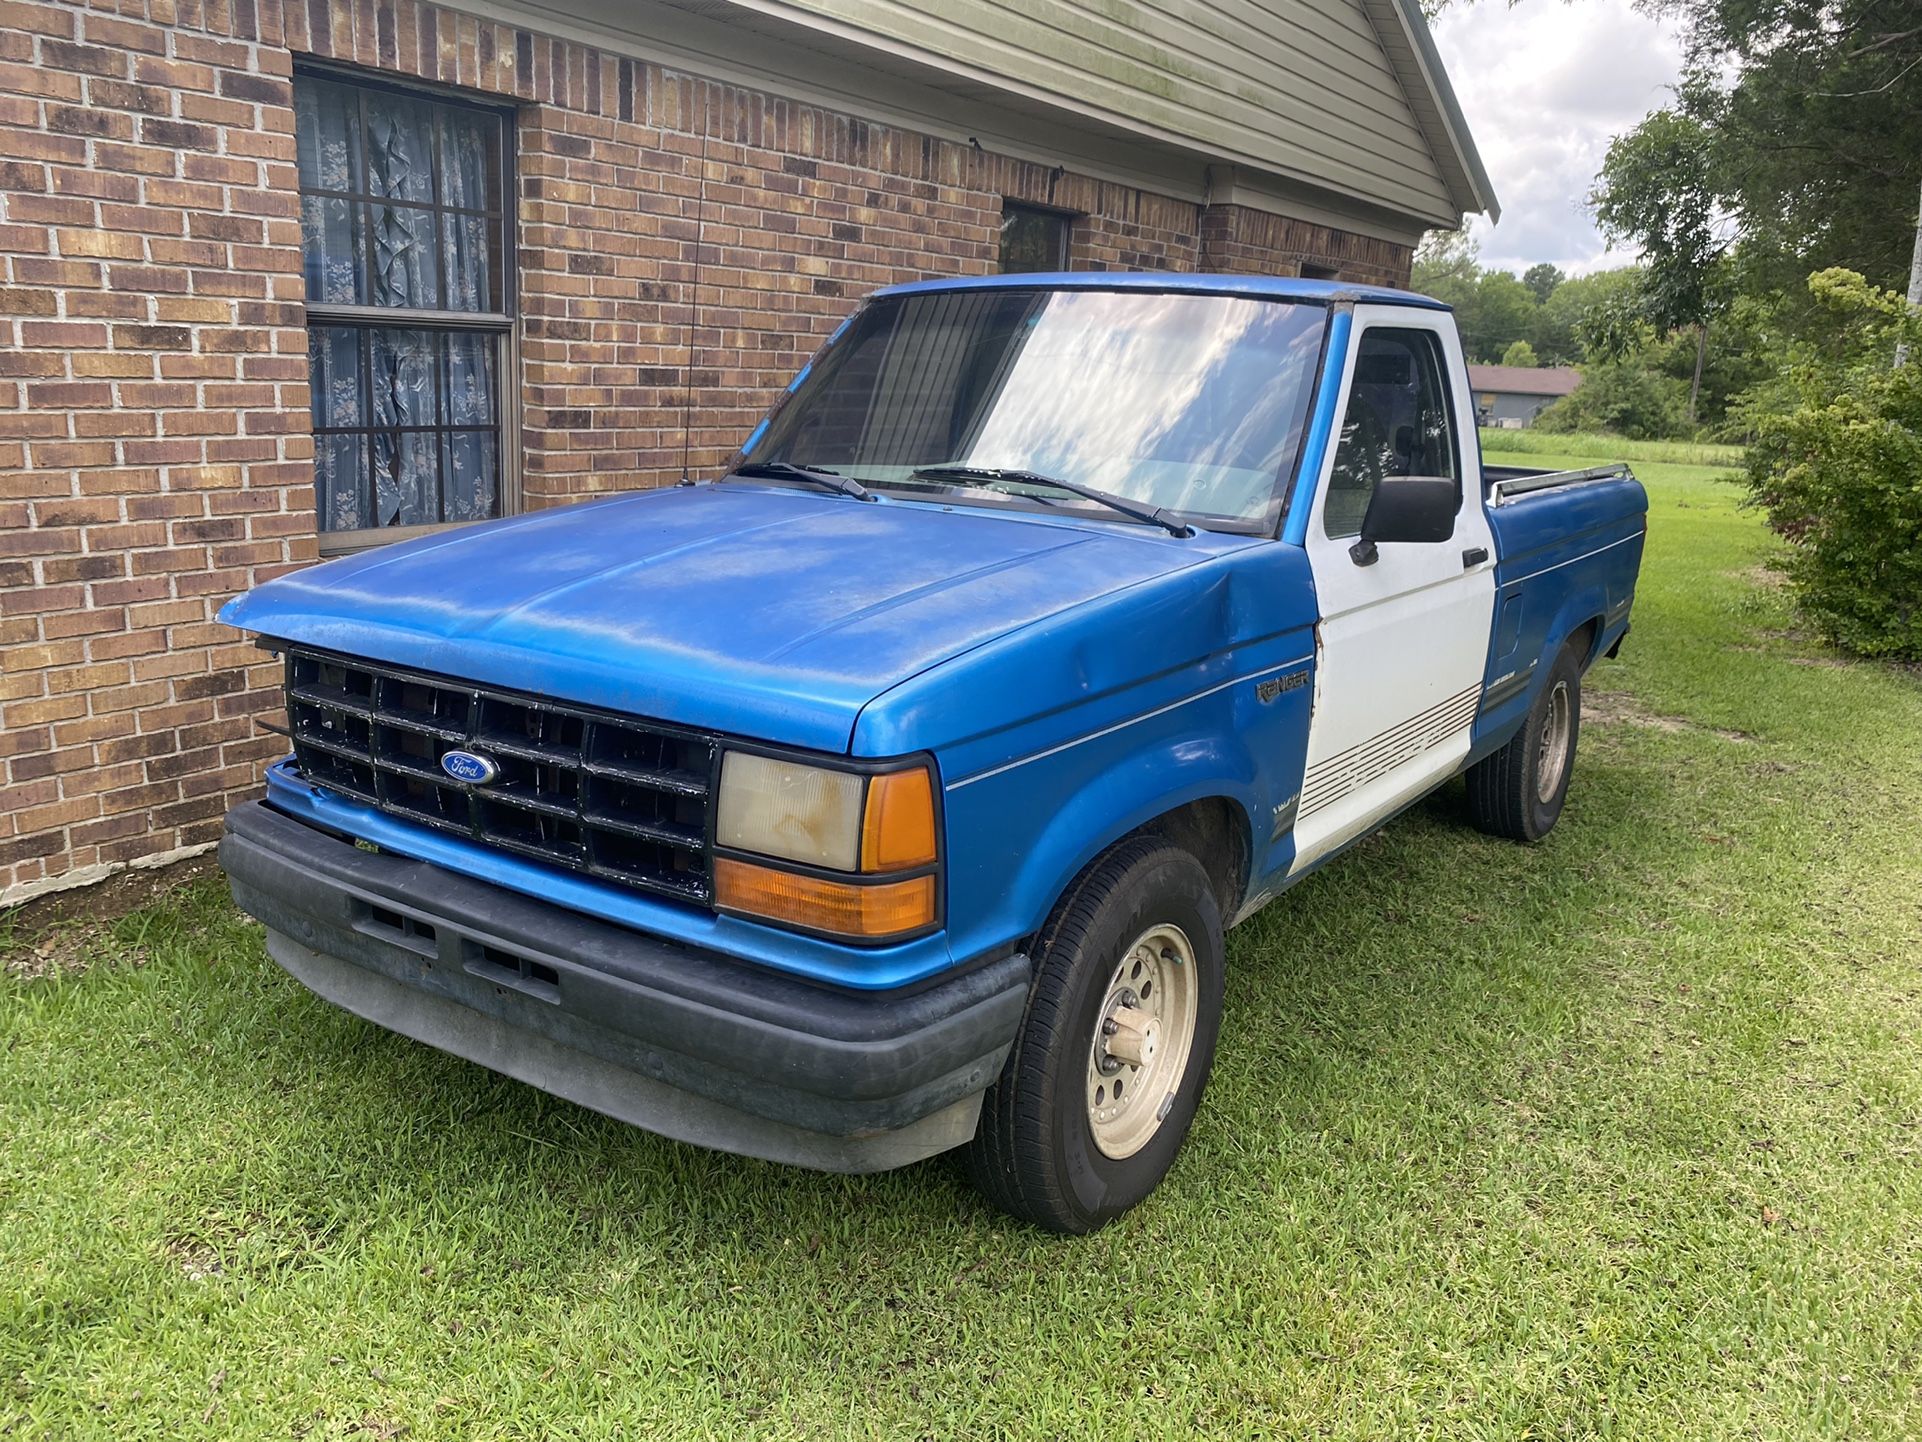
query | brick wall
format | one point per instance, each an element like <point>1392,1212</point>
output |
<point>1240,241</point>
<point>154,454</point>
<point>153,394</point>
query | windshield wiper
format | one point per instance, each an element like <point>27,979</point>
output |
<point>1153,515</point>
<point>786,471</point>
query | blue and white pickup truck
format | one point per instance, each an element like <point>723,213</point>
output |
<point>893,792</point>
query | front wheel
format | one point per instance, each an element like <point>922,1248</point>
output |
<point>1518,792</point>
<point>1108,1068</point>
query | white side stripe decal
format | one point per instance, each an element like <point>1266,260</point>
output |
<point>1330,780</point>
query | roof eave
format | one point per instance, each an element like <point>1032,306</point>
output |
<point>1445,126</point>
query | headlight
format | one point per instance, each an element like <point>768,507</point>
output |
<point>875,830</point>
<point>798,813</point>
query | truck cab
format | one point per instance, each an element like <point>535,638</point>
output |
<point>893,791</point>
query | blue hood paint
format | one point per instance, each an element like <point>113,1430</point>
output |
<point>762,611</point>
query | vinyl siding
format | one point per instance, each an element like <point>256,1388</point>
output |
<point>1301,88</point>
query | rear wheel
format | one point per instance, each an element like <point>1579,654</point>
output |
<point>1106,1073</point>
<point>1518,792</point>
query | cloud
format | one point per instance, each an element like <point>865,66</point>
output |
<point>1545,86</point>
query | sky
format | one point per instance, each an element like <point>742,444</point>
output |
<point>1545,85</point>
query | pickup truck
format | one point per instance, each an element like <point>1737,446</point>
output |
<point>892,792</point>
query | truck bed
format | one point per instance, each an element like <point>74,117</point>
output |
<point>1570,545</point>
<point>1505,483</point>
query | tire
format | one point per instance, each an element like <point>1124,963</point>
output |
<point>1518,792</point>
<point>1047,1150</point>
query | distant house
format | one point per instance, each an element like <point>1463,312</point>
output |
<point>1512,396</point>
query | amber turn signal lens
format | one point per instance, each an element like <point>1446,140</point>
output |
<point>898,831</point>
<point>865,912</point>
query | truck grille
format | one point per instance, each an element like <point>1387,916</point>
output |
<point>605,795</point>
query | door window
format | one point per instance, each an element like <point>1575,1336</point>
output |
<point>1399,423</point>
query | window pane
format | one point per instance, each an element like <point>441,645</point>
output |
<point>400,147</point>
<point>340,481</point>
<point>406,478</point>
<point>470,378</point>
<point>333,359</point>
<point>327,135</point>
<point>468,243</point>
<point>473,476</point>
<point>424,446</point>
<point>419,224</point>
<point>1032,240</point>
<point>469,145</point>
<point>402,371</point>
<point>333,250</point>
<point>1397,424</point>
<point>405,272</point>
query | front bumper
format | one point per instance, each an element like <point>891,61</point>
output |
<point>685,1042</point>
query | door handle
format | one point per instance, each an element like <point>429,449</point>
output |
<point>1474,556</point>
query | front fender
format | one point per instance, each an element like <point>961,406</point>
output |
<point>1020,834</point>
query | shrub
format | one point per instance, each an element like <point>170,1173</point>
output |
<point>1624,398</point>
<point>1837,465</point>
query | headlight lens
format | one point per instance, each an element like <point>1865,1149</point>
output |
<point>878,830</point>
<point>798,813</point>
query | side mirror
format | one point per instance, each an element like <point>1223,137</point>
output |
<point>1407,508</point>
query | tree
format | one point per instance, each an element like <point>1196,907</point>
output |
<point>1562,322</point>
<point>1520,353</point>
<point>1543,278</point>
<point>1624,398</point>
<point>1656,189</point>
<point>1446,258</point>
<point>1448,267</point>
<point>1796,133</point>
<point>1501,312</point>
<point>1838,468</point>
<point>1492,308</point>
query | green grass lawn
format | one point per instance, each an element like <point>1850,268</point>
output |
<point>1501,446</point>
<point>1616,1136</point>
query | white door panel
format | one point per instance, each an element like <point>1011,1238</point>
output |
<point>1403,642</point>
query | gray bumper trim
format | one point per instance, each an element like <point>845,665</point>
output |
<point>685,1042</point>
<point>604,1087</point>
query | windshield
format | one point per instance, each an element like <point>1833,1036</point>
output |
<point>1189,402</point>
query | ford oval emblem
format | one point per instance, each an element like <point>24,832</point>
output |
<point>475,770</point>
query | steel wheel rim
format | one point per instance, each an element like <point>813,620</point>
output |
<point>1144,1034</point>
<point>1554,748</point>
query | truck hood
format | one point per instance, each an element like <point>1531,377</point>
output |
<point>761,611</point>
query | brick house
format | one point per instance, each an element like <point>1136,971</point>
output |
<point>283,279</point>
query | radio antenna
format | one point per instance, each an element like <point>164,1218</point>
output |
<point>694,289</point>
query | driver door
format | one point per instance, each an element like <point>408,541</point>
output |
<point>1403,643</point>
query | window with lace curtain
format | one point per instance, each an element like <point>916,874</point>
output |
<point>408,267</point>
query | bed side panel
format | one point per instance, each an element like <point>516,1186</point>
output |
<point>1565,556</point>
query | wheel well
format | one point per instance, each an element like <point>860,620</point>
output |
<point>1215,832</point>
<point>1584,637</point>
